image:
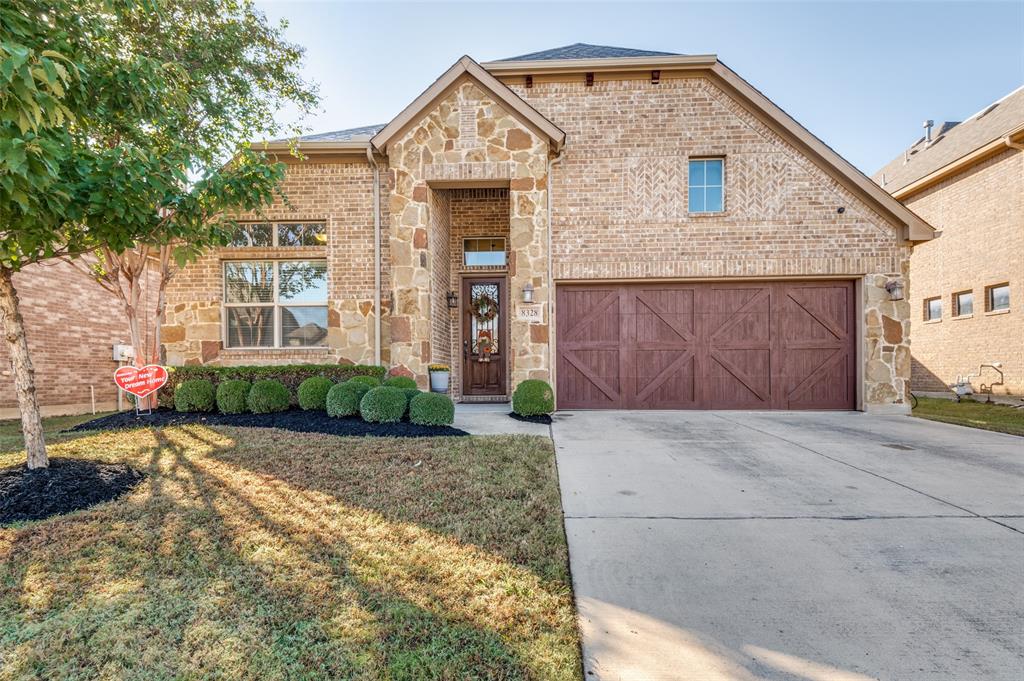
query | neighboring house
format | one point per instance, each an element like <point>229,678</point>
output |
<point>967,286</point>
<point>72,326</point>
<point>704,250</point>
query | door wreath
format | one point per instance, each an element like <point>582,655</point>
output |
<point>485,308</point>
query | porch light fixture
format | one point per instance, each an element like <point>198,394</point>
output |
<point>528,293</point>
<point>895,289</point>
<point>453,299</point>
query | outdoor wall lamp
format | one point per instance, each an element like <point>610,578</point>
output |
<point>453,299</point>
<point>528,293</point>
<point>895,289</point>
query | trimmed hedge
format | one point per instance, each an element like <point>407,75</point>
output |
<point>343,399</point>
<point>403,382</point>
<point>291,375</point>
<point>383,405</point>
<point>409,394</point>
<point>533,397</point>
<point>232,396</point>
<point>313,393</point>
<point>431,409</point>
<point>368,381</point>
<point>268,396</point>
<point>195,395</point>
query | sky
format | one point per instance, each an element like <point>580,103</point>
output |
<point>861,76</point>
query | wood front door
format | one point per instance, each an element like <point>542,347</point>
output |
<point>750,345</point>
<point>484,336</point>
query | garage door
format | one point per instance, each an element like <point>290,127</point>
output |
<point>762,345</point>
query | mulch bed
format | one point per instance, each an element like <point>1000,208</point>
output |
<point>540,418</point>
<point>295,420</point>
<point>67,485</point>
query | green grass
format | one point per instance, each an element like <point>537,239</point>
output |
<point>252,553</point>
<point>998,417</point>
<point>10,431</point>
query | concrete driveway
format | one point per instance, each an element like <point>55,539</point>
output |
<point>798,546</point>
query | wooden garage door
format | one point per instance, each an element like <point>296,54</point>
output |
<point>761,345</point>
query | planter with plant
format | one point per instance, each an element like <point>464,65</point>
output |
<point>439,376</point>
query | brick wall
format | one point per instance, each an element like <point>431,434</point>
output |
<point>440,234</point>
<point>72,325</point>
<point>980,213</point>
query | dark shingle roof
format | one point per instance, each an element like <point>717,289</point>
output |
<point>350,135</point>
<point>952,141</point>
<point>585,51</point>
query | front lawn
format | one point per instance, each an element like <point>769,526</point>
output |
<point>10,430</point>
<point>261,553</point>
<point>999,417</point>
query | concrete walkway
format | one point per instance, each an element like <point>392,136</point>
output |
<point>813,546</point>
<point>492,418</point>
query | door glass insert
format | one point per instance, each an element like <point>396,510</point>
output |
<point>483,323</point>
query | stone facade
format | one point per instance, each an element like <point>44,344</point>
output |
<point>980,212</point>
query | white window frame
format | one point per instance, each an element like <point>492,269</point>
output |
<point>705,185</point>
<point>504,251</point>
<point>275,303</point>
<point>275,241</point>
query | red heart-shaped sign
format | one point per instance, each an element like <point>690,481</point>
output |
<point>141,382</point>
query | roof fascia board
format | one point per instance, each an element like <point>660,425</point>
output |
<point>313,147</point>
<point>916,229</point>
<point>440,87</point>
<point>542,66</point>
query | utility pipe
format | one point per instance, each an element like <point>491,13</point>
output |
<point>376,255</point>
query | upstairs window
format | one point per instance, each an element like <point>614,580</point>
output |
<point>706,185</point>
<point>997,297</point>
<point>932,309</point>
<point>963,304</point>
<point>275,303</point>
<point>483,252</point>
<point>279,234</point>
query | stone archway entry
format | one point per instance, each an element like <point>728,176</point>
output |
<point>484,337</point>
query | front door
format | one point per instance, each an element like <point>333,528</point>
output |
<point>484,340</point>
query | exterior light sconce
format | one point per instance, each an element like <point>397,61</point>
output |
<point>895,289</point>
<point>453,299</point>
<point>528,293</point>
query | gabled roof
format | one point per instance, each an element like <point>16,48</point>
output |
<point>585,51</point>
<point>360,134</point>
<point>952,142</point>
<point>501,92</point>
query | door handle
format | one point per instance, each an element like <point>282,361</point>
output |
<point>465,348</point>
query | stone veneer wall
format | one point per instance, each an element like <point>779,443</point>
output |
<point>620,201</point>
<point>338,192</point>
<point>467,136</point>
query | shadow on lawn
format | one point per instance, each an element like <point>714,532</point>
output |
<point>215,567</point>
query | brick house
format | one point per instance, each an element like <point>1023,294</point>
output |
<point>641,229</point>
<point>967,179</point>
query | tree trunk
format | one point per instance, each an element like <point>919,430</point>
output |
<point>24,374</point>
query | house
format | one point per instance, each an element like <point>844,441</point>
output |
<point>641,229</point>
<point>967,180</point>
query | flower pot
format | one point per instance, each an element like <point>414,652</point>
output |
<point>439,381</point>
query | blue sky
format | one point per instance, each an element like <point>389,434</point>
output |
<point>862,76</point>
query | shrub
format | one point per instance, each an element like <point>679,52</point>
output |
<point>268,396</point>
<point>369,381</point>
<point>313,393</point>
<point>533,398</point>
<point>409,394</point>
<point>232,396</point>
<point>431,409</point>
<point>403,382</point>
<point>289,374</point>
<point>382,405</point>
<point>343,399</point>
<point>194,395</point>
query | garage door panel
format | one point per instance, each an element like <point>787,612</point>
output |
<point>739,379</point>
<point>664,317</point>
<point>592,315</point>
<point>664,379</point>
<point>591,377</point>
<point>816,379</point>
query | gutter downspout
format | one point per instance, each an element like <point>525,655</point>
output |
<point>376,256</point>
<point>551,272</point>
<point>1008,141</point>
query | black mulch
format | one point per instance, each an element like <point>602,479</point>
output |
<point>539,418</point>
<point>295,420</point>
<point>67,485</point>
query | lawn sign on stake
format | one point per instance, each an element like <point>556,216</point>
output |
<point>141,382</point>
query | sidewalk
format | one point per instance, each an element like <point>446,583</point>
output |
<point>492,418</point>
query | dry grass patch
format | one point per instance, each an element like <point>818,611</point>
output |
<point>266,554</point>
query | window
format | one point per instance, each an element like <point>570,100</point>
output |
<point>963,304</point>
<point>280,234</point>
<point>706,186</point>
<point>275,303</point>
<point>485,252</point>
<point>932,309</point>
<point>997,297</point>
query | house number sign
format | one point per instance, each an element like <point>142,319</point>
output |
<point>530,313</point>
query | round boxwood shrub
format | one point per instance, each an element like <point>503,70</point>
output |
<point>370,381</point>
<point>431,409</point>
<point>268,396</point>
<point>403,382</point>
<point>313,392</point>
<point>533,398</point>
<point>343,399</point>
<point>194,395</point>
<point>409,394</point>
<point>383,405</point>
<point>231,397</point>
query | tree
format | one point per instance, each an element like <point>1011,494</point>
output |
<point>103,134</point>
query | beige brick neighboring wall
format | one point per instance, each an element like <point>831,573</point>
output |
<point>337,192</point>
<point>980,213</point>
